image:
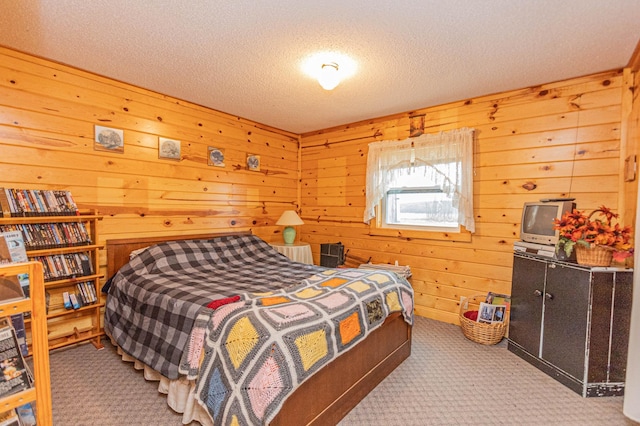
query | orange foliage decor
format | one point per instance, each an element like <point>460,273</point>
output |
<point>576,227</point>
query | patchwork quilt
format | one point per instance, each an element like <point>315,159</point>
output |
<point>247,356</point>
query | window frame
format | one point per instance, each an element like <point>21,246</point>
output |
<point>384,209</point>
<point>376,229</point>
<point>386,156</point>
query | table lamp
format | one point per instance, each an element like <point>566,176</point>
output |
<point>289,219</point>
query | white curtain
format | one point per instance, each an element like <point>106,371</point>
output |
<point>448,157</point>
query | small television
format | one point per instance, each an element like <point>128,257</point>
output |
<point>537,220</point>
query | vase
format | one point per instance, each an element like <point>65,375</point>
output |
<point>594,255</point>
<point>561,254</point>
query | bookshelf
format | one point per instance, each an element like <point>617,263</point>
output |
<point>36,304</point>
<point>66,247</point>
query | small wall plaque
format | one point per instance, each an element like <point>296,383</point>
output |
<point>253,162</point>
<point>416,125</point>
<point>108,139</point>
<point>215,156</point>
<point>630,168</point>
<point>168,148</point>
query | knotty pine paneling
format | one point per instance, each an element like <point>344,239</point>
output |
<point>562,137</point>
<point>47,117</point>
<point>631,134</point>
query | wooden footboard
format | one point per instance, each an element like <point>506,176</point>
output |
<point>327,396</point>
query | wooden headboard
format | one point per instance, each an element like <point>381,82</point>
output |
<point>118,250</point>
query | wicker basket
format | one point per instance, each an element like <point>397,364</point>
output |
<point>486,334</point>
<point>594,256</point>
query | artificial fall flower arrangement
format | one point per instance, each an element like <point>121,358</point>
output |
<point>577,227</point>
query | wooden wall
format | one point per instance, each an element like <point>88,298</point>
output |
<point>47,117</point>
<point>631,133</point>
<point>562,137</point>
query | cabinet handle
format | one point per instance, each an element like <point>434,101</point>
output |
<point>552,265</point>
<point>537,293</point>
<point>548,296</point>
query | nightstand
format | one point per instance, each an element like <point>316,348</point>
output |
<point>298,252</point>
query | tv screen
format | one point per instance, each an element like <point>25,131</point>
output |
<point>538,219</point>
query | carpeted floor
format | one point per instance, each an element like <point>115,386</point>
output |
<point>448,380</point>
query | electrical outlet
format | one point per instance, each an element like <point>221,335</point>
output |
<point>466,304</point>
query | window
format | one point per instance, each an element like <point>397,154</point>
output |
<point>424,183</point>
<point>418,207</point>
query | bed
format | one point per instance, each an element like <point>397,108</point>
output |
<point>324,397</point>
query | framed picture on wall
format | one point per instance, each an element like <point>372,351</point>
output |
<point>253,162</point>
<point>416,125</point>
<point>168,149</point>
<point>108,139</point>
<point>215,156</point>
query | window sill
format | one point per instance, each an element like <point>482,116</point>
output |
<point>461,236</point>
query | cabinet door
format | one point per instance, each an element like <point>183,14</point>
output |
<point>566,316</point>
<point>621,325</point>
<point>526,303</point>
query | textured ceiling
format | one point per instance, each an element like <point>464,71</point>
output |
<point>245,57</point>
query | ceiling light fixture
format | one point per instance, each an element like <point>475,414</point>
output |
<point>329,77</point>
<point>323,67</point>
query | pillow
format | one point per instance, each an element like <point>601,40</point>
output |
<point>137,252</point>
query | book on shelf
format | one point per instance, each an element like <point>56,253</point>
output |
<point>9,418</point>
<point>24,283</point>
<point>42,236</point>
<point>10,289</point>
<point>86,292</point>
<point>85,263</point>
<point>36,202</point>
<point>92,290</point>
<point>83,294</point>
<point>14,288</point>
<point>66,300</point>
<point>62,266</point>
<point>27,414</point>
<point>5,204</point>
<point>14,374</point>
<point>17,322</point>
<point>12,247</point>
<point>74,301</point>
<point>12,250</point>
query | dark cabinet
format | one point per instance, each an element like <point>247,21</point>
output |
<point>572,322</point>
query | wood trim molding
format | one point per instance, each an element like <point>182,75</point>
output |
<point>634,61</point>
<point>461,235</point>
